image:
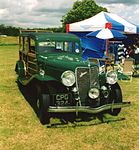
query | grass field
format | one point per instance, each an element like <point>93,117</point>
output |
<point>21,129</point>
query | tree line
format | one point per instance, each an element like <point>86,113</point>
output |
<point>9,30</point>
<point>82,9</point>
<point>15,31</point>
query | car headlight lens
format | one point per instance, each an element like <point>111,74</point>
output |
<point>111,77</point>
<point>105,91</point>
<point>68,78</point>
<point>93,93</point>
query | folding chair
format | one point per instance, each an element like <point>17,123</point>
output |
<point>95,61</point>
<point>128,67</point>
<point>110,62</point>
<point>136,65</point>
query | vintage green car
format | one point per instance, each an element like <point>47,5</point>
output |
<point>64,83</point>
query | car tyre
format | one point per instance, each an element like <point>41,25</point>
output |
<point>43,105</point>
<point>116,97</point>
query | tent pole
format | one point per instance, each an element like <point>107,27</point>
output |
<point>107,47</point>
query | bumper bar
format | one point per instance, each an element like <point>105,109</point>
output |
<point>87,109</point>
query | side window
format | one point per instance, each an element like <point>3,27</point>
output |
<point>20,44</point>
<point>23,44</point>
<point>72,47</point>
<point>26,44</point>
<point>32,46</point>
<point>77,48</point>
<point>59,46</point>
<point>68,46</point>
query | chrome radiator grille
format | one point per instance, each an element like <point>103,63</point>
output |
<point>85,79</point>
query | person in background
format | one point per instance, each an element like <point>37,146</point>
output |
<point>122,53</point>
<point>131,52</point>
<point>136,54</point>
<point>136,49</point>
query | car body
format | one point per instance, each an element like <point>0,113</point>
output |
<point>64,83</point>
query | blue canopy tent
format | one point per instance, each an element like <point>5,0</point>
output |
<point>106,34</point>
<point>100,21</point>
<point>92,47</point>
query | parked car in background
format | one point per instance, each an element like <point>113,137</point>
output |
<point>52,63</point>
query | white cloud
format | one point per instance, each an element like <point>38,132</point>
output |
<point>124,11</point>
<point>119,1</point>
<point>33,13</point>
<point>3,12</point>
<point>44,13</point>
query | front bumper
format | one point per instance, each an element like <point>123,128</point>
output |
<point>87,109</point>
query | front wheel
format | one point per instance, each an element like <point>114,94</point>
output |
<point>43,104</point>
<point>116,97</point>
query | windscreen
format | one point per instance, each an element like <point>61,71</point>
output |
<point>52,46</point>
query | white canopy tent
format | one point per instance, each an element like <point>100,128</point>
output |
<point>103,20</point>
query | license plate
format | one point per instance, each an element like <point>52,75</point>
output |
<point>62,99</point>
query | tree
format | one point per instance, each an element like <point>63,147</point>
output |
<point>9,30</point>
<point>82,9</point>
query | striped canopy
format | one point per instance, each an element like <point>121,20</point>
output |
<point>106,34</point>
<point>103,20</point>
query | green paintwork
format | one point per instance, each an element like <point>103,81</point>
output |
<point>26,81</point>
<point>54,64</point>
<point>42,59</point>
<point>57,63</point>
<point>39,37</point>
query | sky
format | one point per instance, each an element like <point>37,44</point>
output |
<point>48,13</point>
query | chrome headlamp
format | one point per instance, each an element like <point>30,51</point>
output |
<point>93,93</point>
<point>111,77</point>
<point>68,78</point>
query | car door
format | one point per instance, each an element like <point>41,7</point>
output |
<point>32,66</point>
<point>23,50</point>
<point>27,54</point>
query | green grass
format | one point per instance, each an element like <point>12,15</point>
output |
<point>21,129</point>
<point>8,40</point>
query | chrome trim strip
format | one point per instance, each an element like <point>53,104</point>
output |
<point>87,109</point>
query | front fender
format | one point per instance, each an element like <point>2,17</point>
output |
<point>36,77</point>
<point>44,78</point>
<point>20,68</point>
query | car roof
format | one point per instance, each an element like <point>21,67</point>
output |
<point>43,36</point>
